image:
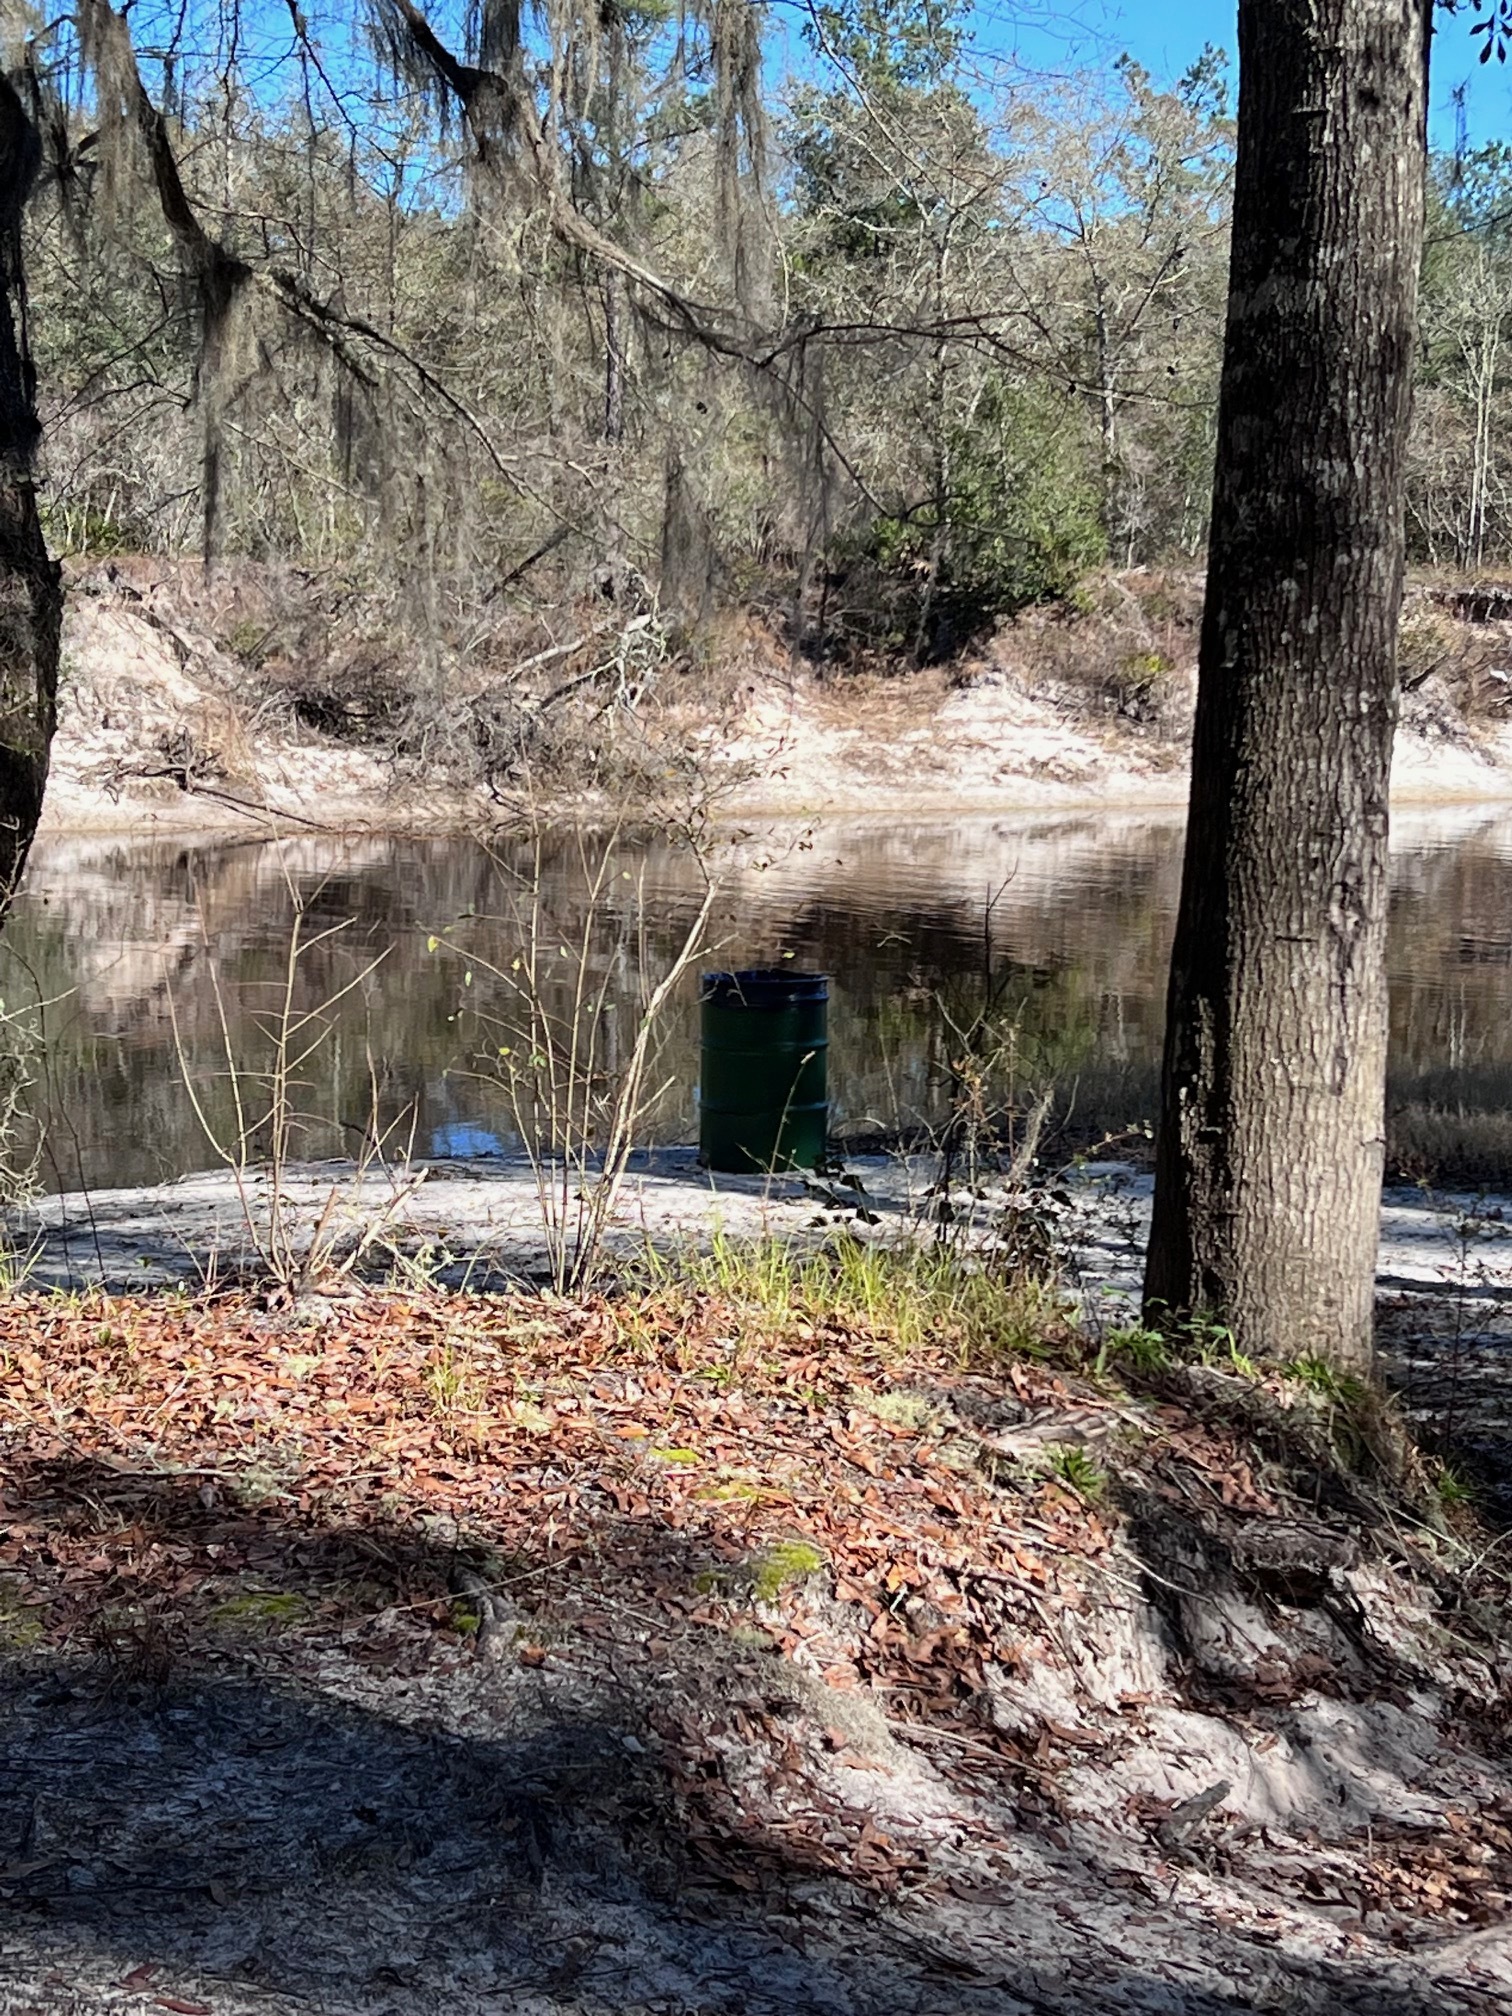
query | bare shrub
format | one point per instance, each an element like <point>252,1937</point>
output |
<point>1449,654</point>
<point>1123,645</point>
<point>258,1141</point>
<point>574,1052</point>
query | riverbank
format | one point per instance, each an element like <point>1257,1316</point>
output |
<point>792,1639</point>
<point>492,1222</point>
<point>1444,1272</point>
<point>183,711</point>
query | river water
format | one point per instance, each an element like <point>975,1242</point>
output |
<point>151,969</point>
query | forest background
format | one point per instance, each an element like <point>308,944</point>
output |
<point>825,320</point>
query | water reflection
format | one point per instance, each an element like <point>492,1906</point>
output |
<point>151,963</point>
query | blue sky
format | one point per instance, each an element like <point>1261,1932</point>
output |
<point>1166,34</point>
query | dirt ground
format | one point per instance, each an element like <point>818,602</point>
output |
<point>699,1650</point>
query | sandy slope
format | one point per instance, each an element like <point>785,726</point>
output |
<point>162,730</point>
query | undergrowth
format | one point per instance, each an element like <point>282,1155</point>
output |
<point>911,1318</point>
<point>905,1296</point>
<point>907,1301</point>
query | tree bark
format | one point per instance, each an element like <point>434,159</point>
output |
<point>614,357</point>
<point>1268,1164</point>
<point>31,595</point>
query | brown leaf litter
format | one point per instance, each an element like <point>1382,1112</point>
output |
<point>505,1653</point>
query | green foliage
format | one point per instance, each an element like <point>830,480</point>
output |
<point>1071,1464</point>
<point>1454,1491</point>
<point>991,362</point>
<point>261,1610</point>
<point>1471,191</point>
<point>76,528</point>
<point>911,44</point>
<point>248,639</point>
<point>903,56</point>
<point>1143,1351</point>
<point>765,1576</point>
<point>1341,1389</point>
<point>1203,1339</point>
<point>904,1295</point>
<point>1020,518</point>
<point>453,1383</point>
<point>730,1491</point>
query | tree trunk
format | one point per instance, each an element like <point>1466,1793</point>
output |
<point>1107,424</point>
<point>944,473</point>
<point>1268,1167</point>
<point>614,357</point>
<point>31,596</point>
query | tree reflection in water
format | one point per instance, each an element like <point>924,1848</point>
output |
<point>1067,917</point>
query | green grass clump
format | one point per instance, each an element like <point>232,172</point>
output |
<point>903,1295</point>
<point>1201,1339</point>
<point>1070,1464</point>
<point>1144,1351</point>
<point>1455,1492</point>
<point>453,1384</point>
<point>789,1561</point>
<point>261,1610</point>
<point>1342,1389</point>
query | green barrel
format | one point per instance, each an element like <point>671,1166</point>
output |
<point>762,1097</point>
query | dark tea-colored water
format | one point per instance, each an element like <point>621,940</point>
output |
<point>157,968</point>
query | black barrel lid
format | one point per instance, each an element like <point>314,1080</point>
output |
<point>764,987</point>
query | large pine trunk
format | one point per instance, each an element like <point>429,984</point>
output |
<point>1268,1169</point>
<point>31,596</point>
